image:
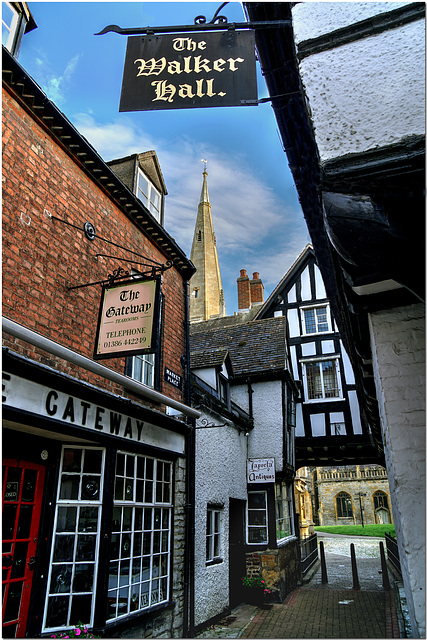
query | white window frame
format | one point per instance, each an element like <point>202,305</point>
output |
<point>148,365</point>
<point>280,489</point>
<point>252,526</point>
<point>69,568</point>
<point>214,517</point>
<point>148,199</point>
<point>309,361</point>
<point>12,28</point>
<point>328,317</point>
<point>142,531</point>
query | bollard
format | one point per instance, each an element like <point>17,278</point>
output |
<point>356,584</point>
<point>386,582</point>
<point>323,563</point>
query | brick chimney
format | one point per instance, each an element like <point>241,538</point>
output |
<point>257,289</point>
<point>243,291</point>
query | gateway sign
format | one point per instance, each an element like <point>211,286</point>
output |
<point>177,72</point>
<point>127,319</point>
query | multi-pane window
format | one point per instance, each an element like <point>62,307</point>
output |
<point>284,511</point>
<point>344,508</point>
<point>380,500</point>
<point>213,534</point>
<point>316,319</point>
<point>257,517</point>
<point>139,569</point>
<point>148,195</point>
<point>73,565</point>
<point>322,379</point>
<point>143,368</point>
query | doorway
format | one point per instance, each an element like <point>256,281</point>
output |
<point>237,564</point>
<point>22,501</point>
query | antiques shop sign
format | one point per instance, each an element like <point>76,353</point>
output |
<point>126,324</point>
<point>261,470</point>
<point>177,72</point>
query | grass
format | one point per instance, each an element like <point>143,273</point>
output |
<point>375,530</point>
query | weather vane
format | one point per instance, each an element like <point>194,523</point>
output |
<point>206,162</point>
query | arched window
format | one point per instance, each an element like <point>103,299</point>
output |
<point>382,512</point>
<point>344,508</point>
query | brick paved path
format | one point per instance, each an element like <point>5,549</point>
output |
<point>328,613</point>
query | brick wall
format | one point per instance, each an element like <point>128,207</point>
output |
<point>243,290</point>
<point>42,256</point>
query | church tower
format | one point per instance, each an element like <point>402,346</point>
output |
<point>207,295</point>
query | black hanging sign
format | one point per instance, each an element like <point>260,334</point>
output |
<point>176,71</point>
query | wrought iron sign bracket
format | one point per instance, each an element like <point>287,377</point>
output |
<point>122,274</point>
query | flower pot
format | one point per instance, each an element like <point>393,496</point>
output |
<point>253,595</point>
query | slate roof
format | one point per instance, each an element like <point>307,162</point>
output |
<point>208,358</point>
<point>255,347</point>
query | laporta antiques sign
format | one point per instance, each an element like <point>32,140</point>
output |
<point>261,470</point>
<point>182,72</point>
<point>127,320</point>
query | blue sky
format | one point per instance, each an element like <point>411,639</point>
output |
<point>257,218</point>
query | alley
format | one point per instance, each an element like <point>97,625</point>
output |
<point>331,610</point>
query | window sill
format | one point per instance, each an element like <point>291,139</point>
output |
<point>209,563</point>
<point>323,400</point>
<point>284,541</point>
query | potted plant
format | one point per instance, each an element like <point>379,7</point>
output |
<point>254,590</point>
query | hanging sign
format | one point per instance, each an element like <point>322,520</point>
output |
<point>127,323</point>
<point>182,72</point>
<point>261,470</point>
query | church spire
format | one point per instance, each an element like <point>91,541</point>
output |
<point>207,295</point>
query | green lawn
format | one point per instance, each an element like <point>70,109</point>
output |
<point>377,530</point>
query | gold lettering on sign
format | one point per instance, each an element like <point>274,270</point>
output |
<point>168,91</point>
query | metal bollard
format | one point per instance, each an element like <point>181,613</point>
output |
<point>323,563</point>
<point>386,582</point>
<point>356,584</point>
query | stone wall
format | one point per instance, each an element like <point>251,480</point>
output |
<point>353,481</point>
<point>279,568</point>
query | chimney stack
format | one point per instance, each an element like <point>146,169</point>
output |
<point>243,291</point>
<point>249,292</point>
<point>257,289</point>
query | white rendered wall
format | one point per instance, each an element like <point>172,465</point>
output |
<point>220,475</point>
<point>207,375</point>
<point>398,348</point>
<point>266,439</point>
<point>315,19</point>
<point>365,94</point>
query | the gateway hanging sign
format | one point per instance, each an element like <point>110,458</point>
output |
<point>178,72</point>
<point>128,318</point>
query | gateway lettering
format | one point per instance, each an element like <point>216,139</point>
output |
<point>93,416</point>
<point>124,311</point>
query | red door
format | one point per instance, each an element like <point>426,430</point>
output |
<point>22,500</point>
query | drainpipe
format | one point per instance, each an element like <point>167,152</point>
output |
<point>250,393</point>
<point>190,447</point>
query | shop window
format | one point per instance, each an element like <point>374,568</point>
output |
<point>213,534</point>
<point>322,379</point>
<point>316,319</point>
<point>73,564</point>
<point>148,195</point>
<point>344,506</point>
<point>257,517</point>
<point>284,511</point>
<point>139,569</point>
<point>142,368</point>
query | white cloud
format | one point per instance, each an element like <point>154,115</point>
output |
<point>255,229</point>
<point>55,86</point>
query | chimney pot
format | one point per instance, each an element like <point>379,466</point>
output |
<point>242,273</point>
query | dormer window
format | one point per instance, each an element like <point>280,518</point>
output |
<point>16,18</point>
<point>148,195</point>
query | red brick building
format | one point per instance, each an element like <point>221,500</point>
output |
<point>95,462</point>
